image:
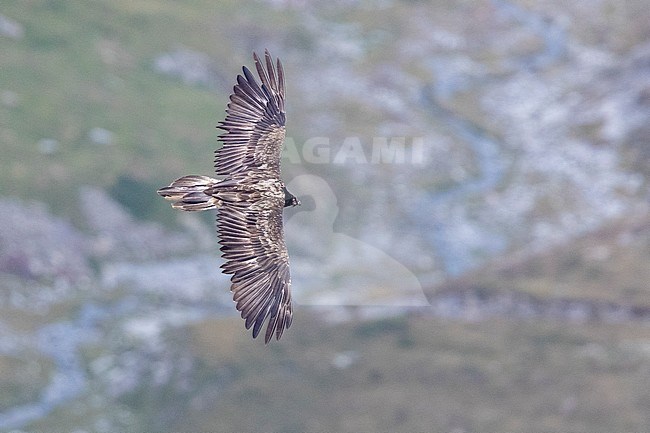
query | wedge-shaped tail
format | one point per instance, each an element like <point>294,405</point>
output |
<point>189,193</point>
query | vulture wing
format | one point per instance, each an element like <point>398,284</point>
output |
<point>254,125</point>
<point>252,243</point>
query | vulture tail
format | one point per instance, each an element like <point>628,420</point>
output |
<point>188,193</point>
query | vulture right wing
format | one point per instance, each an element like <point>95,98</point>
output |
<point>252,243</point>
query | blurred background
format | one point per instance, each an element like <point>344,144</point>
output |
<point>487,272</point>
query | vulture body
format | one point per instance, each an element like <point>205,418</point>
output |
<point>249,199</point>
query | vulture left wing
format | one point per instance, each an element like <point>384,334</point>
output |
<point>254,122</point>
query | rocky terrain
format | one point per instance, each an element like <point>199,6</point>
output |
<point>458,163</point>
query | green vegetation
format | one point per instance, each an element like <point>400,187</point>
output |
<point>489,376</point>
<point>610,264</point>
<point>22,381</point>
<point>493,376</point>
<point>84,65</point>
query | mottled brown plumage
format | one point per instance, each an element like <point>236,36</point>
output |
<point>250,199</point>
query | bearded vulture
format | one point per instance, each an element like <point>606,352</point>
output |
<point>249,199</point>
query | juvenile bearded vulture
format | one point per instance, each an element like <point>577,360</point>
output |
<point>249,199</point>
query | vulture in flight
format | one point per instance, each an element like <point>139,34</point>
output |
<point>249,198</point>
